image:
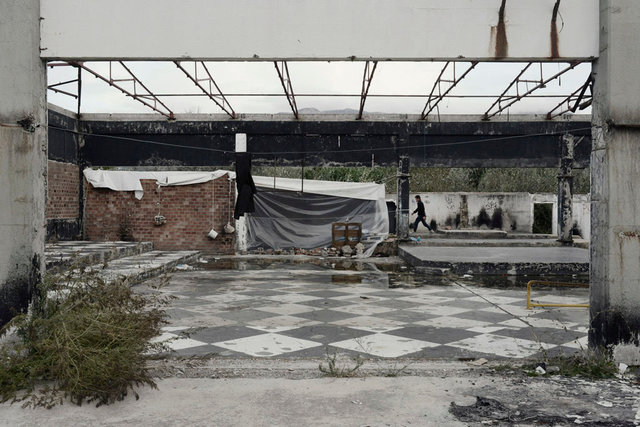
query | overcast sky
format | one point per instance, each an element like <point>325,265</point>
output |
<point>316,77</point>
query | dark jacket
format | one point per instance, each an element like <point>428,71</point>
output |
<point>420,210</point>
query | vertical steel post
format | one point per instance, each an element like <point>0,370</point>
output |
<point>565,191</point>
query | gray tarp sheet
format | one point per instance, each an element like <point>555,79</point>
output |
<point>286,219</point>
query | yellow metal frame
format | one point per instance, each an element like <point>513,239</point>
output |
<point>563,284</point>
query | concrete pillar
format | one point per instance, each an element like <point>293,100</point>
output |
<point>23,154</point>
<point>565,192</point>
<point>403,198</point>
<point>615,183</point>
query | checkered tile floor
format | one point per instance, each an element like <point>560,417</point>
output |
<point>305,312</point>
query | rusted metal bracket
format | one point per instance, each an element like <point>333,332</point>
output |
<point>434,100</point>
<point>366,84</point>
<point>145,97</point>
<point>212,90</point>
<point>285,79</point>
<point>576,97</point>
<point>504,101</point>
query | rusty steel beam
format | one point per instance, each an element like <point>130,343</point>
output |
<point>509,100</point>
<point>216,96</point>
<point>366,84</point>
<point>344,95</point>
<point>143,98</point>
<point>434,100</point>
<point>285,79</point>
<point>78,80</point>
<point>503,95</point>
<point>54,87</point>
<point>577,98</point>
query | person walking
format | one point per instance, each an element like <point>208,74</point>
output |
<point>422,216</point>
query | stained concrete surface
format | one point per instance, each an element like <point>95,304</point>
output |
<point>266,400</point>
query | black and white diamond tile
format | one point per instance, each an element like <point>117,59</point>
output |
<point>307,313</point>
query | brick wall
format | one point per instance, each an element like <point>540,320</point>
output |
<point>62,191</point>
<point>190,210</point>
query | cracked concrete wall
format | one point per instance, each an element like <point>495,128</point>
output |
<point>615,189</point>
<point>23,154</point>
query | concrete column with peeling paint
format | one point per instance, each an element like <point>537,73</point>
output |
<point>615,183</point>
<point>403,198</point>
<point>23,154</point>
<point>565,191</point>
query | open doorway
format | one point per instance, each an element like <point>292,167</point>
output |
<point>542,218</point>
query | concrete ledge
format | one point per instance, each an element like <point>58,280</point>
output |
<point>138,268</point>
<point>499,260</point>
<point>472,234</point>
<point>525,243</point>
<point>63,255</point>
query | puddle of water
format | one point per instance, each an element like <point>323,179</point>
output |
<point>346,278</point>
<point>519,281</point>
<point>340,271</point>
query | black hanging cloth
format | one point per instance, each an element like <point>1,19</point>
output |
<point>245,186</point>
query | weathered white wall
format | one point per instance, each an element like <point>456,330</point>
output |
<point>314,29</point>
<point>517,208</point>
<point>23,153</point>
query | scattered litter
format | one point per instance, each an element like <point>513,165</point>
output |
<point>183,267</point>
<point>415,239</point>
<point>203,261</point>
<point>356,402</point>
<point>553,369</point>
<point>540,370</point>
<point>478,362</point>
<point>467,276</point>
<point>605,403</point>
<point>622,368</point>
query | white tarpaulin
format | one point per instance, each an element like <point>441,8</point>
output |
<point>352,190</point>
<point>130,180</point>
<point>119,180</point>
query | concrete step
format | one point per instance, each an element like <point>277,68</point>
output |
<point>462,234</point>
<point>480,234</point>
<point>62,255</point>
<point>439,242</point>
<point>138,268</point>
<point>499,260</point>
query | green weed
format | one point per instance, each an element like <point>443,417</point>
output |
<point>336,366</point>
<point>84,339</point>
